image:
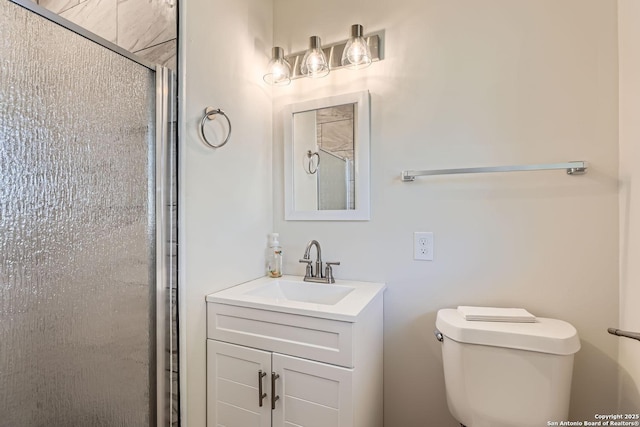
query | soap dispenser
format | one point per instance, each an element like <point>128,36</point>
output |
<point>274,256</point>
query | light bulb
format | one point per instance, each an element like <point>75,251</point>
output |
<point>278,70</point>
<point>314,63</point>
<point>356,53</point>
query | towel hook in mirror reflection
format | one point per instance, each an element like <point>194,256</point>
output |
<point>311,167</point>
<point>210,113</point>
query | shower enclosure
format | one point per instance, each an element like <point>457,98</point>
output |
<point>88,332</point>
<point>334,181</point>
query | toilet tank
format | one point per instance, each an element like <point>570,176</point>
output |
<point>500,374</point>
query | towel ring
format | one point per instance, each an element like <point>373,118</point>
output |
<point>309,169</point>
<point>211,113</point>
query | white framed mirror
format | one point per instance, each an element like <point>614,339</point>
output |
<point>326,159</point>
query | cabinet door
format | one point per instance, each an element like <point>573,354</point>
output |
<point>233,386</point>
<point>312,394</point>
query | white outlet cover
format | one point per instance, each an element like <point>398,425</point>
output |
<point>423,246</point>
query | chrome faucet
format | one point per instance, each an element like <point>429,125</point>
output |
<point>316,275</point>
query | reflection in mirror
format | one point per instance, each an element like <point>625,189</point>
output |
<point>326,148</point>
<point>327,159</point>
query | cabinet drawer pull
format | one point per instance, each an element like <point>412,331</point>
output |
<point>261,395</point>
<point>274,397</point>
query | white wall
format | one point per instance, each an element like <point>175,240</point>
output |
<point>467,83</point>
<point>629,43</point>
<point>225,194</point>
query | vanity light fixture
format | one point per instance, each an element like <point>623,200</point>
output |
<point>357,52</point>
<point>278,71</point>
<point>314,62</point>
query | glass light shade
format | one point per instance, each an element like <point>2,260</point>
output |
<point>314,63</point>
<point>278,70</point>
<point>356,53</point>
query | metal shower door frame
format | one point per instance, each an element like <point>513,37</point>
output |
<point>166,247</point>
<point>162,198</point>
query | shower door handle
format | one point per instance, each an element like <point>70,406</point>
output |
<point>626,334</point>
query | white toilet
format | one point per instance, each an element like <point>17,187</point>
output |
<point>500,374</point>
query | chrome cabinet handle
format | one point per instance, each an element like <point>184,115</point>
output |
<point>261,395</point>
<point>274,397</point>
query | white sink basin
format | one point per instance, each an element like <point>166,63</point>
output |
<point>344,300</point>
<point>328,294</point>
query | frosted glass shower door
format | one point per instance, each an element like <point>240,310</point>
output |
<point>77,230</point>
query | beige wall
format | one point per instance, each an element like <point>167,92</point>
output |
<point>225,194</point>
<point>467,83</point>
<point>629,43</point>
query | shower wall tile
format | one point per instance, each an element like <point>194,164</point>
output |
<point>338,136</point>
<point>144,27</point>
<point>142,24</point>
<point>97,16</point>
<point>163,54</point>
<point>334,114</point>
<point>57,6</point>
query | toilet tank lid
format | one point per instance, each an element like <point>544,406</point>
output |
<point>545,335</point>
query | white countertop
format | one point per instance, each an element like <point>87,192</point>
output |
<point>347,309</point>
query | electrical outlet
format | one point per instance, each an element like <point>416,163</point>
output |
<point>423,246</point>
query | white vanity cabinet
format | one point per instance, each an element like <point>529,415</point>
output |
<point>234,380</point>
<point>270,368</point>
<point>307,393</point>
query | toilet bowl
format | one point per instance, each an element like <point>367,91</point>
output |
<point>500,374</point>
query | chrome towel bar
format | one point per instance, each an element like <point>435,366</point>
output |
<point>618,332</point>
<point>572,168</point>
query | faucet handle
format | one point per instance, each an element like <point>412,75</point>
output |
<point>309,270</point>
<point>328,271</point>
